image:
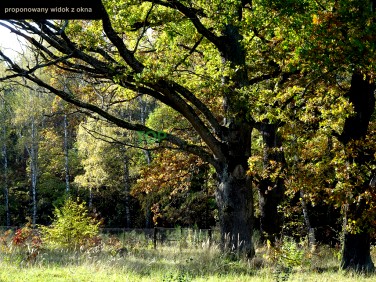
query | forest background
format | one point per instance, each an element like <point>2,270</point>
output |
<point>266,109</point>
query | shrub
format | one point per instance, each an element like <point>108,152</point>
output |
<point>72,226</point>
<point>287,254</point>
<point>291,254</point>
<point>25,246</point>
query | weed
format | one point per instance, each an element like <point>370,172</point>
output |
<point>26,245</point>
<point>179,277</point>
<point>169,263</point>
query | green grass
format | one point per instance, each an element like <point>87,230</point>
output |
<point>171,263</point>
<point>103,272</point>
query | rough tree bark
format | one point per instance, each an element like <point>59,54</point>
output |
<point>234,195</point>
<point>356,251</point>
<point>356,247</point>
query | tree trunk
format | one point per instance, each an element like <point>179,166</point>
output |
<point>148,214</point>
<point>127,188</point>
<point>5,167</point>
<point>356,252</point>
<point>234,194</point>
<point>90,198</point>
<point>310,231</point>
<point>148,157</point>
<point>34,170</point>
<point>235,206</point>
<point>66,154</point>
<point>271,190</point>
<point>356,247</point>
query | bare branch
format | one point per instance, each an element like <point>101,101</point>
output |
<point>191,51</point>
<point>169,93</point>
<point>144,28</point>
<point>183,145</point>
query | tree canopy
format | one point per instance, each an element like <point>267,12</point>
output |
<point>299,72</point>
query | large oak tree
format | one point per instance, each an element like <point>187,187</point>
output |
<point>222,65</point>
<point>186,55</point>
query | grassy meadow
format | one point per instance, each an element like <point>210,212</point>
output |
<point>136,260</point>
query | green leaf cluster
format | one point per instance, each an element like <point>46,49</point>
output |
<point>72,226</point>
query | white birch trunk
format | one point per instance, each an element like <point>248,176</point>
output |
<point>148,215</point>
<point>90,198</point>
<point>127,187</point>
<point>67,186</point>
<point>5,167</point>
<point>34,169</point>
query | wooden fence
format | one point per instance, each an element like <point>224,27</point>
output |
<point>166,236</point>
<point>157,236</point>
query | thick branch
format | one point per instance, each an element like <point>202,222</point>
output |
<point>201,107</point>
<point>191,14</point>
<point>126,54</point>
<point>187,111</point>
<point>191,50</point>
<point>171,94</point>
<point>183,145</point>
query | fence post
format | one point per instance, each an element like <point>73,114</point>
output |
<point>210,237</point>
<point>155,237</point>
<point>123,236</point>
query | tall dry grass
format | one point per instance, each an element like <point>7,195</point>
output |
<point>132,257</point>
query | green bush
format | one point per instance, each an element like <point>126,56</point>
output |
<point>72,226</point>
<point>291,254</point>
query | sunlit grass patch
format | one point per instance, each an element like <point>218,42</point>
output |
<point>170,263</point>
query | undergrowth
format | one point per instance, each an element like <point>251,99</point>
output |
<point>133,258</point>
